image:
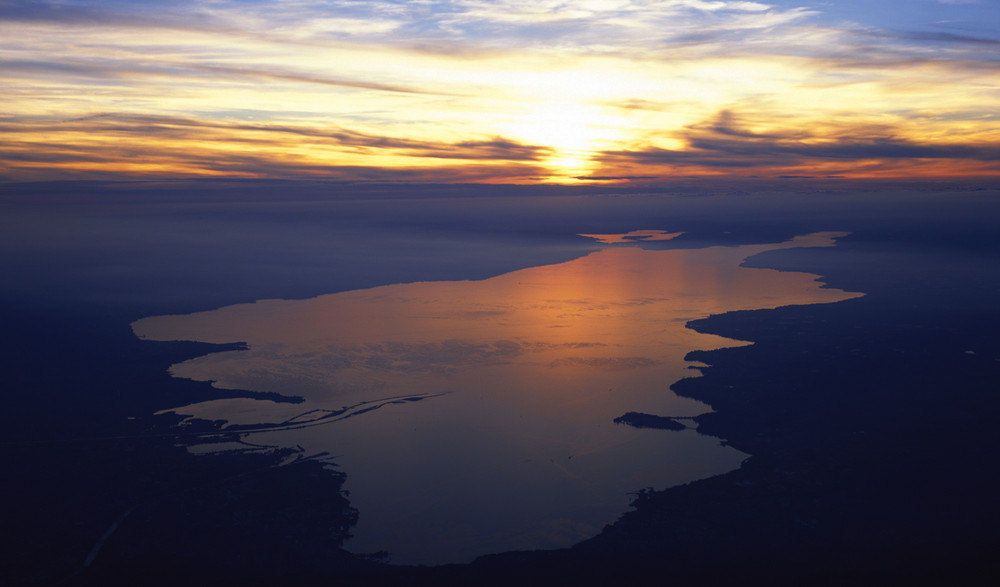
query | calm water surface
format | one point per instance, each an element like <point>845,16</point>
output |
<point>474,417</point>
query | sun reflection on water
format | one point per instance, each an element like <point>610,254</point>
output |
<point>478,416</point>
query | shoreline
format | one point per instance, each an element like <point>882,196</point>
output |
<point>878,471</point>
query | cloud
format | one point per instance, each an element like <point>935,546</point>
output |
<point>311,79</point>
<point>946,37</point>
<point>722,144</point>
<point>163,14</point>
<point>125,70</point>
<point>610,27</point>
<point>124,163</point>
<point>136,144</point>
<point>151,128</point>
<point>616,178</point>
<point>585,24</point>
<point>40,10</point>
<point>498,148</point>
<point>607,90</point>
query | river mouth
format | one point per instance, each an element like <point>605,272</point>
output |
<point>474,417</point>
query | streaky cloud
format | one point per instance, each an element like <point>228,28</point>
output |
<point>594,91</point>
<point>161,15</point>
<point>312,79</point>
<point>125,70</point>
<point>496,148</point>
<point>946,37</point>
<point>722,144</point>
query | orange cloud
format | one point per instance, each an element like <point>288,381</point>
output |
<point>722,146</point>
<point>546,92</point>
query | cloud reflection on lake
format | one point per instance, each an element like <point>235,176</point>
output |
<point>478,416</point>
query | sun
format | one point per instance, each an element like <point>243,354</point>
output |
<point>574,132</point>
<point>567,111</point>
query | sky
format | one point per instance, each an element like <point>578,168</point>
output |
<point>499,91</point>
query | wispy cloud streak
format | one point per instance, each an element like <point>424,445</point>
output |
<point>722,145</point>
<point>517,89</point>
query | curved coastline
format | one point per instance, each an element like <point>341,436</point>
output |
<point>612,319</point>
<point>847,412</point>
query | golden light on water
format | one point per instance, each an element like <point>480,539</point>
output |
<point>507,388</point>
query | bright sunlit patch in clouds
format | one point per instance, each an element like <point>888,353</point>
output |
<point>476,90</point>
<point>567,111</point>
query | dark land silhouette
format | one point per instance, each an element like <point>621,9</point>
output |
<point>871,422</point>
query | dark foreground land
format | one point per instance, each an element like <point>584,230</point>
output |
<point>872,423</point>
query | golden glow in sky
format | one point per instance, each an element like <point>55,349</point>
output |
<point>498,91</point>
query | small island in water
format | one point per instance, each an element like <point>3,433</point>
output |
<point>640,420</point>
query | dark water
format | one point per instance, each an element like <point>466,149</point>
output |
<point>81,262</point>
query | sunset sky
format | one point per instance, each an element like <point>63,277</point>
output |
<point>522,91</point>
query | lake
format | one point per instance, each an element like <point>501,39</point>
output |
<point>865,421</point>
<point>479,416</point>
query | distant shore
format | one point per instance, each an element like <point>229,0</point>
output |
<point>870,421</point>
